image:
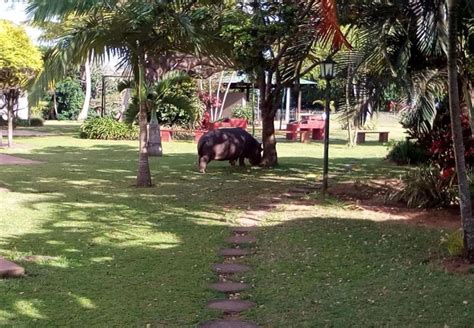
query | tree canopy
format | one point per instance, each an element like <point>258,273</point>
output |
<point>20,60</point>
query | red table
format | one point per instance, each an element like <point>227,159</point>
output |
<point>314,123</point>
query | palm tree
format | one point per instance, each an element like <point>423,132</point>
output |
<point>403,44</point>
<point>158,95</point>
<point>464,193</point>
<point>133,30</point>
<point>407,43</point>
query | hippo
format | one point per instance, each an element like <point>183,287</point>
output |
<point>228,145</point>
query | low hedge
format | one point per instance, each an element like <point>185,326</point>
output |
<point>107,128</point>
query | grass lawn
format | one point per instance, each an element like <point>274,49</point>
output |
<point>123,256</point>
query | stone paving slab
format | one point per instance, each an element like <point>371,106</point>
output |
<point>269,206</point>
<point>230,268</point>
<point>299,191</point>
<point>230,306</point>
<point>243,229</point>
<point>248,222</point>
<point>10,270</point>
<point>241,240</point>
<point>13,160</point>
<point>292,196</point>
<point>228,324</point>
<point>228,252</point>
<point>229,286</point>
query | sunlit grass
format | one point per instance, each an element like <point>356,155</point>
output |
<point>120,256</point>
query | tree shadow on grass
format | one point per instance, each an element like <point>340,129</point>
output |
<point>126,256</point>
<point>348,272</point>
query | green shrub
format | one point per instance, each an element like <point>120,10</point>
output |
<point>69,98</point>
<point>36,121</point>
<point>21,122</point>
<point>107,128</point>
<point>424,187</point>
<point>243,112</point>
<point>454,242</point>
<point>41,109</point>
<point>407,152</point>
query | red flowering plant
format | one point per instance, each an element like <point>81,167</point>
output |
<point>439,143</point>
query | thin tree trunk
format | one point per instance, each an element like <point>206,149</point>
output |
<point>10,105</point>
<point>350,120</point>
<point>85,107</point>
<point>144,175</point>
<point>55,105</point>
<point>455,111</point>
<point>226,94</point>
<point>218,94</point>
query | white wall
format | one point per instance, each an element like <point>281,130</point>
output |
<point>21,111</point>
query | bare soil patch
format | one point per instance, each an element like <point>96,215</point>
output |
<point>13,160</point>
<point>369,196</point>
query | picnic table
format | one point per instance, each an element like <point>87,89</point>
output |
<point>312,126</point>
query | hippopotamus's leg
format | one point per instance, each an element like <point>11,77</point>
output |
<point>232,162</point>
<point>242,160</point>
<point>203,163</point>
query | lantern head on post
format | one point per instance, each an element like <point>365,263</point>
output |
<point>328,69</point>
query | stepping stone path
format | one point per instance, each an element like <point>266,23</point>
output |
<point>228,324</point>
<point>229,286</point>
<point>241,239</point>
<point>230,306</point>
<point>230,268</point>
<point>233,252</point>
<point>10,270</point>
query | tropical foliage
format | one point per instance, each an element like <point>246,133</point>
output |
<point>20,61</point>
<point>398,46</point>
<point>134,31</point>
<point>173,97</point>
<point>423,188</point>
<point>107,128</point>
<point>68,98</point>
<point>407,152</point>
<point>275,45</point>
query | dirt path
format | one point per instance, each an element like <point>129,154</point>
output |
<point>13,160</point>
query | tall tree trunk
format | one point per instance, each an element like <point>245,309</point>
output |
<point>455,111</point>
<point>87,99</point>
<point>270,156</point>
<point>143,175</point>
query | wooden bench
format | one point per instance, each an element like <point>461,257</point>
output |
<point>383,136</point>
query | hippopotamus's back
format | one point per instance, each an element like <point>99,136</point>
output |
<point>228,144</point>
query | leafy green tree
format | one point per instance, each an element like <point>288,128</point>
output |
<point>275,43</point>
<point>69,98</point>
<point>135,31</point>
<point>419,46</point>
<point>20,61</point>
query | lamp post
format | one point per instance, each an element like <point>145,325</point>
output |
<point>327,73</point>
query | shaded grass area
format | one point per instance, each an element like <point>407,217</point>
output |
<point>122,256</point>
<point>130,257</point>
<point>314,272</point>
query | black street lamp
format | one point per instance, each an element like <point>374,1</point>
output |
<point>258,4</point>
<point>327,72</point>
